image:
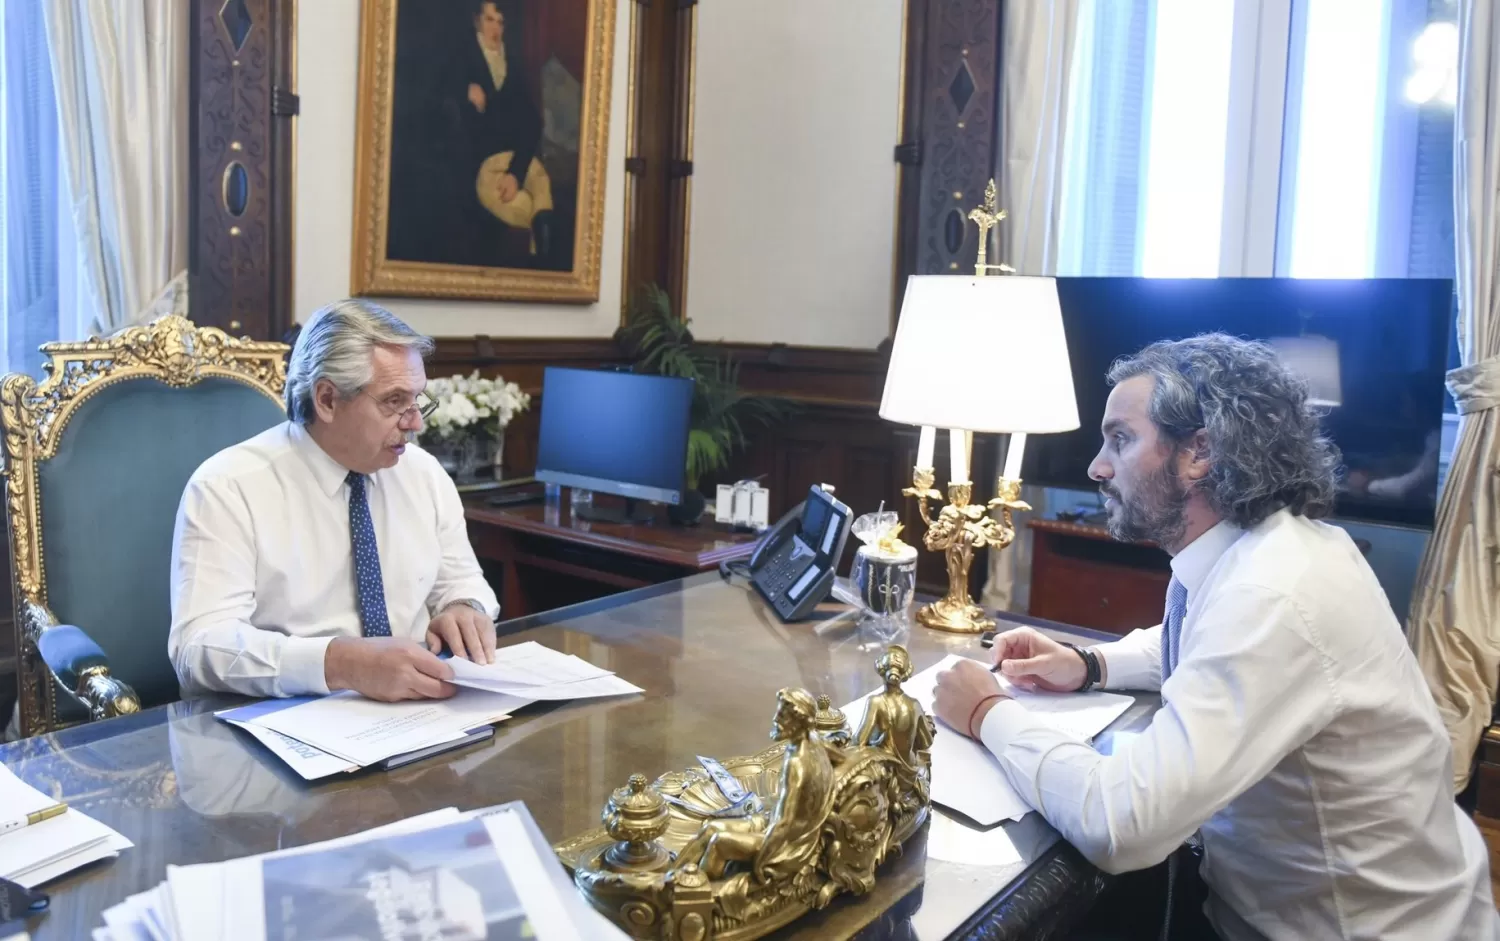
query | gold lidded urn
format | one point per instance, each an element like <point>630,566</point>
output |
<point>831,723</point>
<point>636,817</point>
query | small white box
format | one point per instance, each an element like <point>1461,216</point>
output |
<point>724,504</point>
<point>760,508</point>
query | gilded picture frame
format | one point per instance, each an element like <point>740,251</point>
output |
<point>451,94</point>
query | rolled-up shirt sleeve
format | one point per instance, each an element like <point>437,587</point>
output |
<point>212,644</point>
<point>459,577</point>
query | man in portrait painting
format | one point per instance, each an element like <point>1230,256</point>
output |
<point>484,143</point>
<point>504,130</point>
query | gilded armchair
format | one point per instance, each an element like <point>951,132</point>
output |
<point>96,459</point>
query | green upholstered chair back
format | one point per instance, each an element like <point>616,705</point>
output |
<point>100,464</point>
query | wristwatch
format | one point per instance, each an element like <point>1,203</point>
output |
<point>473,604</point>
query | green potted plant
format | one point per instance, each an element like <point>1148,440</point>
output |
<point>662,344</point>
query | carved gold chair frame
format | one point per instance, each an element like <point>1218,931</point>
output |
<point>34,417</point>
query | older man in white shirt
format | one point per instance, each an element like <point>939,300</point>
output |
<point>327,553</point>
<point>1296,734</point>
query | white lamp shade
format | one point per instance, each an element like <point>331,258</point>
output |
<point>982,354</point>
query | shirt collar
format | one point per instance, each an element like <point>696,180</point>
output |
<point>1197,559</point>
<point>329,474</point>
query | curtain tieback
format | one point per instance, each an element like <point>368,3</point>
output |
<point>1476,387</point>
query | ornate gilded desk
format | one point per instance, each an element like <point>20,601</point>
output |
<point>187,788</point>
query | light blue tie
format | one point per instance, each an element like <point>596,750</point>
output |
<point>1171,643</point>
<point>1171,638</point>
<point>368,585</point>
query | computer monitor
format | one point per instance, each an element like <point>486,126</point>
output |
<point>615,432</point>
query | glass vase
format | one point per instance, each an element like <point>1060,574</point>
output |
<point>473,454</point>
<point>461,456</point>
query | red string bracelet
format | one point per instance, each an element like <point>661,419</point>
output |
<point>978,706</point>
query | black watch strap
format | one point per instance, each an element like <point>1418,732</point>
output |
<point>1091,673</point>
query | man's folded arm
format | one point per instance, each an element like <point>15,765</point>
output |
<point>212,644</point>
<point>1253,691</point>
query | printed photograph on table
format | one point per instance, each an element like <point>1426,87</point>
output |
<point>481,145</point>
<point>446,882</point>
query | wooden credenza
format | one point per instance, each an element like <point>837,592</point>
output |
<point>1079,575</point>
<point>540,558</point>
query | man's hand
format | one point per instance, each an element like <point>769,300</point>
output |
<point>387,669</point>
<point>1032,660</point>
<point>509,186</point>
<point>962,689</point>
<point>476,97</point>
<point>467,633</point>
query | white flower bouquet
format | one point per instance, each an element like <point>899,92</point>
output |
<point>466,429</point>
<point>472,406</point>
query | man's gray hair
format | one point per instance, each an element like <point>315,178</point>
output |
<point>336,344</point>
<point>1263,436</point>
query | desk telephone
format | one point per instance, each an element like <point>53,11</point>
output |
<point>794,563</point>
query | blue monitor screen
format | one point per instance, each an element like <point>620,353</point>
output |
<point>1373,352</point>
<point>615,432</point>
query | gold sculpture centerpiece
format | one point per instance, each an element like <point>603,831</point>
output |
<point>976,354</point>
<point>735,849</point>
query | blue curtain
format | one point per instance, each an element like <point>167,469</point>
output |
<point>28,188</point>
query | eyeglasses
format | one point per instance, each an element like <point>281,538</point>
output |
<point>394,406</point>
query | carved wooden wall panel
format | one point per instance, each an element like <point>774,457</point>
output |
<point>240,130</point>
<point>950,130</point>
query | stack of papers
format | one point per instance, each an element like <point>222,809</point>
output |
<point>318,736</point>
<point>39,852</point>
<point>531,671</point>
<point>965,776</point>
<point>446,874</point>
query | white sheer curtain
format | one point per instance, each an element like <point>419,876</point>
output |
<point>1455,613</point>
<point>1038,62</point>
<point>121,74</point>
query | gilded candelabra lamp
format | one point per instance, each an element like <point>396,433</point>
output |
<point>974,354</point>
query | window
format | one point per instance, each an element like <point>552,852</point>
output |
<point>1186,125</point>
<point>1259,137</point>
<point>1101,192</point>
<point>1148,106</point>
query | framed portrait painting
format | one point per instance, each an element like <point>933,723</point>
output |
<point>483,130</point>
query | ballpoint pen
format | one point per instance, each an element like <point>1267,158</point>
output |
<point>36,816</point>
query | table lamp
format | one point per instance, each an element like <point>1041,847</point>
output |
<point>986,354</point>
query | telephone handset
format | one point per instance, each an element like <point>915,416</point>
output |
<point>794,563</point>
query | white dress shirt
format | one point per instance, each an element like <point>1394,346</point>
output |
<point>1296,733</point>
<point>263,565</point>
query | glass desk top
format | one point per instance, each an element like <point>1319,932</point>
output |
<point>187,788</point>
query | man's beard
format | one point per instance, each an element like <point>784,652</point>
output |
<point>1157,512</point>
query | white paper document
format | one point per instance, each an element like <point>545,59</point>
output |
<point>535,672</point>
<point>41,852</point>
<point>301,757</point>
<point>965,776</point>
<point>362,731</point>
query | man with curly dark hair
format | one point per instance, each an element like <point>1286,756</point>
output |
<point>1296,737</point>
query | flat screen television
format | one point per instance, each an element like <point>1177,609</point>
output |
<point>1374,353</point>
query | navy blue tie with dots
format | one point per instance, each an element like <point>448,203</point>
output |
<point>367,582</point>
